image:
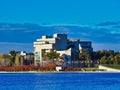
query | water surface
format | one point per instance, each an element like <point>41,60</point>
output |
<point>60,81</point>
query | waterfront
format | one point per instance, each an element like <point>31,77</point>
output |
<point>59,81</point>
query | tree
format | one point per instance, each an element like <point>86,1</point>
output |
<point>103,60</point>
<point>12,57</point>
<point>12,52</point>
<point>110,59</point>
<point>1,59</point>
<point>21,60</point>
<point>86,56</point>
<point>17,60</point>
<point>116,59</point>
<point>4,59</point>
<point>52,55</point>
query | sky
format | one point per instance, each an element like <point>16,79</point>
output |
<point>85,12</point>
<point>99,21</point>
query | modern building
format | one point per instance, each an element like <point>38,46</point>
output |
<point>61,44</point>
<point>87,45</point>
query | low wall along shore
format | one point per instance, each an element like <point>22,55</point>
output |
<point>108,69</point>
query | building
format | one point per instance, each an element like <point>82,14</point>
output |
<point>61,44</point>
<point>85,45</point>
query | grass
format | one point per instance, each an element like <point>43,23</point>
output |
<point>92,69</point>
<point>117,66</point>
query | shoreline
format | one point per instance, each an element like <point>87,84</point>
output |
<point>35,72</point>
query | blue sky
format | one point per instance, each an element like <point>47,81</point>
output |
<point>94,20</point>
<point>87,12</point>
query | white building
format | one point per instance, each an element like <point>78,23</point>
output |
<point>60,43</point>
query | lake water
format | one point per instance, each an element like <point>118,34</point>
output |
<point>60,81</point>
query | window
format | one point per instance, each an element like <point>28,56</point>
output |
<point>37,56</point>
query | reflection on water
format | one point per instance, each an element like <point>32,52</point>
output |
<point>60,81</point>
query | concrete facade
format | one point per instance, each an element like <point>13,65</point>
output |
<point>85,45</point>
<point>61,44</point>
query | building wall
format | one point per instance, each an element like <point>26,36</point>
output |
<point>38,51</point>
<point>59,43</point>
<point>87,45</point>
<point>74,44</point>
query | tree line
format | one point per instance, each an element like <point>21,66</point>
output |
<point>84,59</point>
<point>15,59</point>
<point>100,57</point>
<point>89,59</point>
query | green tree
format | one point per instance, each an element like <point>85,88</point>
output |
<point>110,59</point>
<point>86,56</point>
<point>52,55</point>
<point>103,60</point>
<point>116,59</point>
<point>12,57</point>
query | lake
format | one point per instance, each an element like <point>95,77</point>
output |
<point>60,81</point>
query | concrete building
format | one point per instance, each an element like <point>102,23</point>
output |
<point>85,45</point>
<point>61,44</point>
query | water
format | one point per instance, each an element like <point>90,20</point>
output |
<point>60,81</point>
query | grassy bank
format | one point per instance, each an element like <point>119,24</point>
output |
<point>112,66</point>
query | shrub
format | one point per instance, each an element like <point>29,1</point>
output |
<point>69,69</point>
<point>77,69</point>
